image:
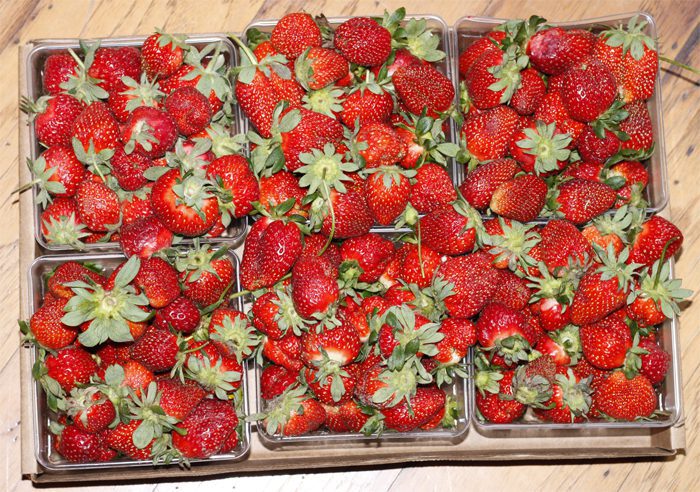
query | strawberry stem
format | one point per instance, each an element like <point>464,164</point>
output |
<point>676,63</point>
<point>420,250</point>
<point>326,195</point>
<point>25,187</point>
<point>662,259</point>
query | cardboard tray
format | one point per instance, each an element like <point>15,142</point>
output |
<point>492,446</point>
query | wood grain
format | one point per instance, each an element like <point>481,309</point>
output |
<point>679,29</point>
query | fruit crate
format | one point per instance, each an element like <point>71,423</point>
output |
<point>447,66</point>
<point>470,28</point>
<point>34,62</point>
<point>43,439</point>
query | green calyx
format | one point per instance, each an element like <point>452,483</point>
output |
<point>430,302</point>
<point>96,162</point>
<point>196,261</point>
<point>548,147</point>
<point>531,389</point>
<point>192,161</point>
<point>249,65</point>
<point>174,40</point>
<point>514,244</point>
<point>327,101</point>
<point>212,377</point>
<point>107,311</point>
<point>411,341</point>
<point>324,170</point>
<point>632,39</point>
<point>658,286</point>
<point>287,317</point>
<point>209,70</point>
<point>143,92</point>
<point>141,134</point>
<point>42,178</point>
<point>413,35</point>
<point>508,73</point>
<point>618,223</point>
<point>568,338</point>
<point>192,191</point>
<point>399,384</point>
<point>576,395</point>
<point>154,420</point>
<point>237,335</point>
<point>80,85</point>
<point>616,267</point>
<point>222,142</point>
<point>561,288</point>
<point>267,158</point>
<point>283,408</point>
<point>513,349</point>
<point>473,217</point>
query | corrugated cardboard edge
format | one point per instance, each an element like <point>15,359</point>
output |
<point>476,447</point>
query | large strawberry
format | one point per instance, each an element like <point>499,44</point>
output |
<point>388,192</point>
<point>422,87</point>
<point>149,131</point>
<point>494,398</point>
<point>162,54</point>
<point>432,188</point>
<point>420,409</point>
<point>489,132</point>
<point>625,399</point>
<point>53,117</point>
<point>158,280</point>
<point>656,234</point>
<point>79,446</point>
<point>605,343</point>
<point>521,198</point>
<point>318,67</point>
<point>554,50</point>
<point>190,110</point>
<point>506,331</point>
<point>451,229</point>
<point>314,287</point>
<point>588,90</point>
<point>47,329</point>
<point>294,33</point>
<point>206,275</point>
<point>207,428</point>
<point>96,129</point>
<point>371,253</point>
<point>98,205</point>
<point>474,281</point>
<point>580,200</point>
<point>363,41</point>
<point>479,184</point>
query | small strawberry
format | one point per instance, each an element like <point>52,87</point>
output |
<point>552,110</point>
<point>78,446</point>
<point>460,334</point>
<point>521,198</point>
<point>129,169</point>
<point>480,183</point>
<point>70,271</point>
<point>529,95</point>
<point>319,67</point>
<point>432,188</point>
<point>606,342</point>
<point>388,192</point>
<point>597,150</point>
<point>314,287</point>
<point>180,315</point>
<point>494,398</point>
<point>96,129</point>
<point>570,401</point>
<point>370,253</point>
<point>285,351</point>
<point>506,331</point>
<point>162,54</point>
<point>367,103</point>
<point>656,296</point>
<point>70,367</point>
<point>625,399</point>
<point>231,333</point>
<point>90,409</point>
<point>206,275</point>
<point>451,229</point>
<point>149,131</point>
<point>418,264</point>
<point>492,79</point>
<point>46,326</point>
<point>655,362</point>
<point>489,42</point>
<point>98,205</point>
<point>58,68</point>
<point>111,64</point>
<point>382,145</point>
<point>294,33</point>
<point>562,243</point>
<point>540,148</point>
<point>489,132</point>
<point>121,439</point>
<point>420,409</point>
<point>178,399</point>
<point>363,41</point>
<point>158,280</point>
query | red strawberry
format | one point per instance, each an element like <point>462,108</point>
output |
<point>190,109</point>
<point>78,446</point>
<point>479,184</point>
<point>319,67</point>
<point>655,234</point>
<point>388,192</point>
<point>635,176</point>
<point>314,286</point>
<point>258,98</point>
<point>158,281</point>
<point>625,399</point>
<point>280,187</point>
<point>156,349</point>
<point>341,345</point>
<point>562,242</point>
<point>274,315</point>
<point>352,216</point>
<point>313,131</point>
<point>422,87</point>
<point>161,55</point>
<point>90,409</point>
<point>178,202</point>
<point>60,223</point>
<point>144,236</point>
<point>274,380</point>
<point>178,399</point>
<point>489,42</point>
<point>180,315</point>
<point>540,148</point>
<point>294,413</point>
<point>450,229</point>
<point>121,439</point>
<point>367,106</point>
<point>206,275</point>
<point>98,206</point>
<point>285,352</point>
<point>239,182</point>
<point>419,410</point>
<point>512,290</point>
<point>580,200</point>
<point>48,330</point>
<point>552,110</point>
<point>520,198</point>
<point>655,363</point>
<point>588,90</point>
<point>487,72</point>
<point>527,98</point>
<point>488,132</point>
<point>136,206</point>
<point>71,271</point>
<point>327,389</point>
<point>474,281</point>
<point>271,248</point>
<point>53,117</point>
<point>562,346</point>
<point>208,426</point>
<point>230,332</point>
<point>371,252</point>
<point>418,265</point>
<point>432,188</point>
<point>491,404</point>
<point>570,401</point>
<point>638,126</point>
<point>111,64</point>
<point>554,50</point>
<point>294,33</point>
<point>505,330</point>
<point>383,145</point>
<point>597,150</point>
<point>460,334</point>
<point>136,376</point>
<point>149,131</point>
<point>363,41</point>
<point>70,367</point>
<point>58,68</point>
<point>606,342</point>
<point>129,169</point>
<point>97,127</point>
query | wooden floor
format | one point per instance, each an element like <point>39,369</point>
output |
<point>679,28</point>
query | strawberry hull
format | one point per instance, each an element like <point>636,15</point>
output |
<point>470,28</point>
<point>34,63</point>
<point>44,440</point>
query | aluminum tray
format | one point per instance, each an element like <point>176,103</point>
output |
<point>43,439</point>
<point>446,66</point>
<point>468,29</point>
<point>34,64</point>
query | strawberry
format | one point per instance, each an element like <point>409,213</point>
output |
<point>488,133</point>
<point>367,103</point>
<point>190,109</point>
<point>111,64</point>
<point>480,183</point>
<point>136,376</point>
<point>240,188</point>
<point>419,410</point>
<point>90,409</point>
<point>506,331</point>
<point>258,98</point>
<point>418,265</point>
<point>584,170</point>
<point>371,253</point>
<point>655,362</point>
<point>580,200</point>
<point>207,428</point>
<point>293,413</point>
<point>521,198</point>
<point>635,177</point>
<point>53,117</point>
<point>422,87</point>
<point>313,131</point>
<point>570,401</point>
<point>274,380</point>
<point>638,126</point>
<point>58,68</point>
<point>489,42</point>
<point>78,446</point>
<point>149,131</point>
<point>136,93</point>
<point>561,243</point>
<point>70,271</point>
<point>183,203</point>
<point>206,275</point>
<point>231,333</point>
<point>285,351</point>
<point>492,79</point>
<point>136,206</point>
<point>158,281</point>
<point>352,216</point>
<point>96,129</point>
<point>596,150</point>
<point>273,314</point>
<point>332,389</point>
<point>553,50</point>
<point>553,110</point>
<point>98,206</point>
<point>451,229</point>
<point>162,54</point>
<point>655,296</point>
<point>121,439</point>
<point>527,98</point>
<point>271,248</point>
<point>156,349</point>
<point>129,169</point>
<point>383,146</point>
<point>216,373</point>
<point>178,399</point>
<point>432,188</point>
<point>512,291</point>
<point>144,236</point>
<point>656,234</point>
<point>588,90</point>
<point>48,330</point>
<point>606,342</point>
<point>540,148</point>
<point>563,346</point>
<point>314,287</point>
<point>363,41</point>
<point>294,33</point>
<point>460,334</point>
<point>180,315</point>
<point>474,282</point>
<point>494,400</point>
<point>70,367</point>
<point>337,346</point>
<point>60,223</point>
<point>319,67</point>
<point>388,192</point>
<point>625,399</point>
<point>280,187</point>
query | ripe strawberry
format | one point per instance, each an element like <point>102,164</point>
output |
<point>554,50</point>
<point>383,145</point>
<point>655,234</point>
<point>274,380</point>
<point>180,315</point>
<point>178,399</point>
<point>190,110</point>
<point>460,334</point>
<point>638,126</point>
<point>451,229</point>
<point>280,187</point>
<point>479,184</point>
<point>491,80</point>
<point>285,351</point>
<point>432,188</point>
<point>368,103</point>
<point>46,326</point>
<point>58,68</point>
<point>144,236</point>
<point>313,131</point>
<point>625,399</point>
<point>274,314</point>
<point>588,90</point>
<point>271,248</point>
<point>521,198</point>
<point>134,206</point>
<point>655,363</point>
<point>161,55</point>
<point>314,286</point>
<point>294,33</point>
<point>90,409</point>
<point>60,223</point>
<point>597,150</point>
<point>206,275</point>
<point>294,413</point>
<point>337,346</point>
<point>121,439</point>
<point>71,271</point>
<point>605,343</point>
<point>70,367</point>
<point>371,252</point>
<point>540,148</point>
<point>78,446</point>
<point>561,243</point>
<point>474,281</point>
<point>363,41</point>
<point>239,185</point>
<point>352,216</point>
<point>111,64</point>
<point>156,349</point>
<point>635,177</point>
<point>580,200</point>
<point>570,401</point>
<point>495,401</point>
<point>257,98</point>
<point>149,131</point>
<point>319,67</point>
<point>489,42</point>
<point>512,290</point>
<point>552,110</point>
<point>158,281</point>
<point>230,332</point>
<point>97,127</point>
<point>418,268</point>
<point>505,330</point>
<point>208,426</point>
<point>129,169</point>
<point>388,192</point>
<point>183,204</point>
<point>136,376</point>
<point>488,132</point>
<point>563,346</point>
<point>422,87</point>
<point>527,98</point>
<point>98,206</point>
<point>420,409</point>
<point>53,117</point>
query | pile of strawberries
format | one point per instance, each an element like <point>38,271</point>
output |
<point>559,116</point>
<point>137,145</point>
<point>143,362</point>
